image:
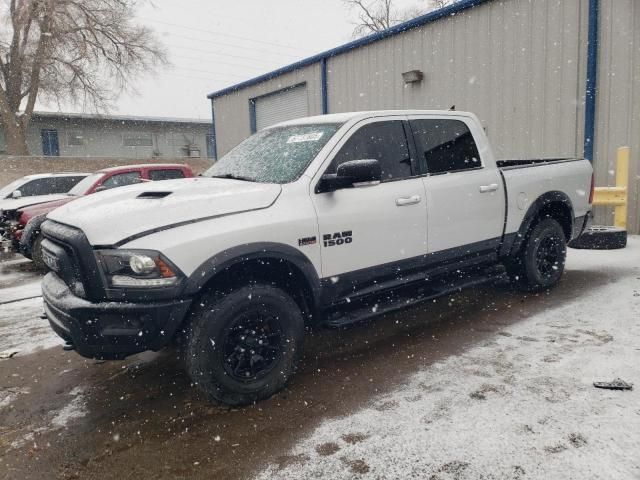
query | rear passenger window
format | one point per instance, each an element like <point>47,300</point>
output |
<point>166,174</point>
<point>383,141</point>
<point>445,146</point>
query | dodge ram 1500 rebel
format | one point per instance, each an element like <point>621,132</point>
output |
<point>318,221</point>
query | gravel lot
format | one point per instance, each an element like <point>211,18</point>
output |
<point>486,384</point>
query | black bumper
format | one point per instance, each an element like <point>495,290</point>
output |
<point>110,330</point>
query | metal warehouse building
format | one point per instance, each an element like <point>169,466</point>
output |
<point>548,78</point>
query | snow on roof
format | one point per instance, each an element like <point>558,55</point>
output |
<point>142,165</point>
<point>118,118</point>
<point>348,116</point>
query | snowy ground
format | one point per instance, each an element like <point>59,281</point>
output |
<point>488,384</point>
<point>521,405</point>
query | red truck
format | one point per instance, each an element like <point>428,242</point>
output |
<point>26,230</point>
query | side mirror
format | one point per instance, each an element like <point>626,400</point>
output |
<point>355,173</point>
<point>16,194</point>
<point>101,188</point>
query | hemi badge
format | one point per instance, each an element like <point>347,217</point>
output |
<point>306,241</point>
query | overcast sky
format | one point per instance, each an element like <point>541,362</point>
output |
<point>216,43</point>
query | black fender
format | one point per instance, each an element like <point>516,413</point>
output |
<point>513,242</point>
<point>30,233</point>
<point>270,251</point>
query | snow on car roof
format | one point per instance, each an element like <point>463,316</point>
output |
<point>348,116</point>
<point>142,165</point>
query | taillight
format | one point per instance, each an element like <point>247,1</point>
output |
<point>593,188</point>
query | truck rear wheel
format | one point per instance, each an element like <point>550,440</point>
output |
<point>539,264</point>
<point>243,346</point>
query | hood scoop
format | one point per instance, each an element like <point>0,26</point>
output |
<point>154,194</point>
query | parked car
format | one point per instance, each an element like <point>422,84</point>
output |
<point>30,190</point>
<point>26,233</point>
<point>326,220</point>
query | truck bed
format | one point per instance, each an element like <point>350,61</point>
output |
<point>532,162</point>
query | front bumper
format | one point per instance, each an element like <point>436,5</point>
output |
<point>110,330</point>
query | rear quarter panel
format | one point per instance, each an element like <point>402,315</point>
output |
<point>526,184</point>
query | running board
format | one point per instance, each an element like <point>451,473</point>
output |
<point>341,316</point>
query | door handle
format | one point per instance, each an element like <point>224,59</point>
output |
<point>403,201</point>
<point>488,188</point>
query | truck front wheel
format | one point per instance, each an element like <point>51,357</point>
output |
<point>539,263</point>
<point>243,346</point>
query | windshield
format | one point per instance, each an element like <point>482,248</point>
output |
<point>83,186</point>
<point>275,155</point>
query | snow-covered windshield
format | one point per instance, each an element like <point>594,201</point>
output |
<point>85,184</point>
<point>276,155</point>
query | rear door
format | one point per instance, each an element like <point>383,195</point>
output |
<point>374,231</point>
<point>465,198</point>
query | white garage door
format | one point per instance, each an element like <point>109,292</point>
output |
<point>282,106</point>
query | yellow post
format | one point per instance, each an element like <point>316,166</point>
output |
<point>622,182</point>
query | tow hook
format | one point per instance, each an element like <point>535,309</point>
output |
<point>68,347</point>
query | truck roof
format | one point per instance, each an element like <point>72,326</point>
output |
<point>348,116</point>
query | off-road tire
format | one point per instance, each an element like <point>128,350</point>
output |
<point>539,263</point>
<point>217,324</point>
<point>599,237</point>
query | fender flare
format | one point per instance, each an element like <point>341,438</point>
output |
<point>511,247</point>
<point>31,229</point>
<point>254,251</point>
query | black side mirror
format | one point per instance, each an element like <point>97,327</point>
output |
<point>349,174</point>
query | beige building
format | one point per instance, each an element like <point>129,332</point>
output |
<point>116,136</point>
<point>548,78</point>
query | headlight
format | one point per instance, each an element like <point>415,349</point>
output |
<point>136,268</point>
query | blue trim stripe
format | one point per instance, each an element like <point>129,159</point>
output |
<point>592,81</point>
<point>253,123</point>
<point>452,9</point>
<point>325,86</point>
<point>214,140</point>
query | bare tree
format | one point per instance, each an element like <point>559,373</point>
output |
<point>378,15</point>
<point>83,52</point>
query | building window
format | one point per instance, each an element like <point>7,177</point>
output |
<point>137,140</point>
<point>76,138</point>
<point>181,139</point>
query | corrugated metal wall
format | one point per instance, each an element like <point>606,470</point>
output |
<point>516,64</point>
<point>618,110</point>
<point>232,111</point>
<point>520,65</point>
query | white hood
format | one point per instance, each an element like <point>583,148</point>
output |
<point>7,204</point>
<point>109,217</point>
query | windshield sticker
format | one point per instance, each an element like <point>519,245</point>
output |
<point>307,137</point>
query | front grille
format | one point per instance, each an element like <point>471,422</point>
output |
<point>68,253</point>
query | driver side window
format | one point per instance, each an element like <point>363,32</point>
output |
<point>383,141</point>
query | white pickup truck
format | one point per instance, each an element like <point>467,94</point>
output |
<point>324,220</point>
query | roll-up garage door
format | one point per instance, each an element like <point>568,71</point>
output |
<point>281,106</point>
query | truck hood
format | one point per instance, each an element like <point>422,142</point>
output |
<point>109,217</point>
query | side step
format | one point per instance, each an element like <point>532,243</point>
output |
<point>341,315</point>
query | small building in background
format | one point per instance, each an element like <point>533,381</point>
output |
<point>117,136</point>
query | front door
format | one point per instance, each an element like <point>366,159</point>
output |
<point>50,145</point>
<point>372,233</point>
<point>465,199</point>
